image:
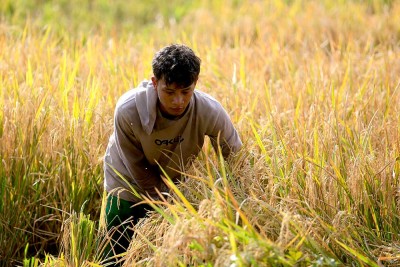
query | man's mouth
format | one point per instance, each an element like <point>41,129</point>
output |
<point>177,109</point>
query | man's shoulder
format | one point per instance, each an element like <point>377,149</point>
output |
<point>204,100</point>
<point>129,99</point>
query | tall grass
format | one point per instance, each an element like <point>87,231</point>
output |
<point>312,87</point>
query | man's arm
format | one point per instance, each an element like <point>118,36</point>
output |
<point>224,133</point>
<point>131,153</point>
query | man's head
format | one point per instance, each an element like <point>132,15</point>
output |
<point>176,64</point>
<point>176,69</point>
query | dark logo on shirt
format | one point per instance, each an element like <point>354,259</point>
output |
<point>177,140</point>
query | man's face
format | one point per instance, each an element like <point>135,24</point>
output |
<point>173,99</point>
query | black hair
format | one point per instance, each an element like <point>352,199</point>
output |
<point>177,64</point>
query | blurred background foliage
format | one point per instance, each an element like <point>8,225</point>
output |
<point>135,16</point>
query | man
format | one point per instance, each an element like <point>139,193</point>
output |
<point>162,123</point>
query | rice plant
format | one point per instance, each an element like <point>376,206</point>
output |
<point>312,87</point>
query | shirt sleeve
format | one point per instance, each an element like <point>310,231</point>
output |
<point>224,134</point>
<point>144,175</point>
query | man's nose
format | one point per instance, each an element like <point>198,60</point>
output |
<point>178,99</point>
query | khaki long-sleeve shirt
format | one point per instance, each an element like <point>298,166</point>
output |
<point>143,140</point>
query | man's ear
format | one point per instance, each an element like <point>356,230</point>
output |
<point>195,82</point>
<point>154,81</point>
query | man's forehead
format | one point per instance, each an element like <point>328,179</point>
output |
<point>174,86</point>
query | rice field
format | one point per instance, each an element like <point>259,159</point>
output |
<point>313,88</point>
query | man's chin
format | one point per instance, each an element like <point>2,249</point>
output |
<point>176,112</point>
<point>173,113</point>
